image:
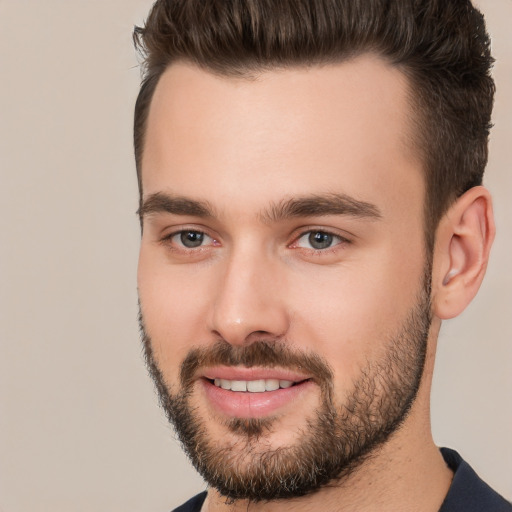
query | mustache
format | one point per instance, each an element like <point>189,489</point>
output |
<point>268,354</point>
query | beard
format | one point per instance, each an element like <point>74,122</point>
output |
<point>333,442</point>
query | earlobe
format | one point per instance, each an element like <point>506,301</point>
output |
<point>463,242</point>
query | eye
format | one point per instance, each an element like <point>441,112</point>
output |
<point>318,240</point>
<point>190,239</point>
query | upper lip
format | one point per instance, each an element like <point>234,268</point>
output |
<point>255,373</point>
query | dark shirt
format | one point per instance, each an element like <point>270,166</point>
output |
<point>467,493</point>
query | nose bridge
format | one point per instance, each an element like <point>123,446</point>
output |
<point>248,303</point>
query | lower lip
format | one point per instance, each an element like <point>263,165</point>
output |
<point>240,404</point>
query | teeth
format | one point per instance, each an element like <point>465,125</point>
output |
<point>238,385</point>
<point>271,385</point>
<point>256,386</point>
<point>253,386</point>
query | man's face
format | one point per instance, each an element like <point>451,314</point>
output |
<point>282,269</point>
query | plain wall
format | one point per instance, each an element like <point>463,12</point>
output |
<point>79,423</point>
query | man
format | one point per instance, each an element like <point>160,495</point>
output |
<point>311,210</point>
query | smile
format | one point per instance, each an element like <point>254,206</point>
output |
<point>253,386</point>
<point>253,392</point>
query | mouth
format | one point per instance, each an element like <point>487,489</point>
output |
<point>255,386</point>
<point>253,393</point>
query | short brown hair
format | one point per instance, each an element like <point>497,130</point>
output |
<point>441,45</point>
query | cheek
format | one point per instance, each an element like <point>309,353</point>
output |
<point>353,311</point>
<point>172,304</point>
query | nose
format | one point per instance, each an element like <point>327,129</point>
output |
<point>249,303</point>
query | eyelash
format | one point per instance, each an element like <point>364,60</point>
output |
<point>168,240</point>
<point>176,246</point>
<point>317,231</point>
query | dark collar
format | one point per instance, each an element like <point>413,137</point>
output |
<point>468,493</point>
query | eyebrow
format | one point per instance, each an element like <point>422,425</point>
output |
<point>321,205</point>
<point>307,206</point>
<point>176,205</point>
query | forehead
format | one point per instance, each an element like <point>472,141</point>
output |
<point>342,128</point>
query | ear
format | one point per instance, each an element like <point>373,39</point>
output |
<point>463,242</point>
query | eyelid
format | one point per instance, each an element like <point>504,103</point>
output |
<point>167,238</point>
<point>343,238</point>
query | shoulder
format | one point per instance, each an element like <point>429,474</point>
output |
<point>468,493</point>
<point>192,505</point>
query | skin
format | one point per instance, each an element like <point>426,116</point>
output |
<point>244,146</point>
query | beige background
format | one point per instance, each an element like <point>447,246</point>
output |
<point>80,428</point>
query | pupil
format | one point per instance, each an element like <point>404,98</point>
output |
<point>320,240</point>
<point>191,238</point>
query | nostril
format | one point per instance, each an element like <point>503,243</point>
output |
<point>240,323</point>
